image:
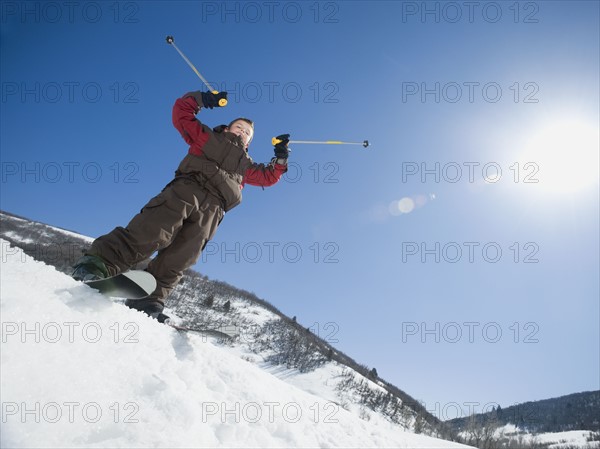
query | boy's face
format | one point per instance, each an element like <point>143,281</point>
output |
<point>242,129</point>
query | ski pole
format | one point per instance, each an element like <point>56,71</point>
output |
<point>170,40</point>
<point>364,143</point>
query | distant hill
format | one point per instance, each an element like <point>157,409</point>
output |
<point>578,411</point>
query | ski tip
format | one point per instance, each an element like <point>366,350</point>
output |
<point>143,279</point>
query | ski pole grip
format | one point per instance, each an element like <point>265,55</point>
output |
<point>170,39</point>
<point>222,101</point>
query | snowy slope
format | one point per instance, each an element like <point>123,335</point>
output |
<point>568,440</point>
<point>78,370</point>
<point>555,440</point>
<point>268,338</point>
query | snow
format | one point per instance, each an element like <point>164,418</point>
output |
<point>18,238</point>
<point>554,440</point>
<point>79,370</point>
<point>259,315</point>
<point>86,238</point>
<point>570,438</point>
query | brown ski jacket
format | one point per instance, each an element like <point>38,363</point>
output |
<point>217,159</point>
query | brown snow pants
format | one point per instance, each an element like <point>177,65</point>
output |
<point>177,223</point>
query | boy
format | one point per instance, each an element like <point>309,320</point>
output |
<point>179,221</point>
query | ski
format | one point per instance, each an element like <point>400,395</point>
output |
<point>134,284</point>
<point>226,332</point>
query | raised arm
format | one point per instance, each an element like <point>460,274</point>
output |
<point>267,175</point>
<point>184,119</point>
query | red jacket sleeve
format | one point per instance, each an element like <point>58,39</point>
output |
<point>184,119</point>
<point>264,175</point>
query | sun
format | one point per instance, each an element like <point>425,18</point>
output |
<point>562,157</point>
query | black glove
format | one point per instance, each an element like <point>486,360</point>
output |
<point>281,149</point>
<point>210,100</point>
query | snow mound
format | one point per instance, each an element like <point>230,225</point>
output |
<point>79,370</point>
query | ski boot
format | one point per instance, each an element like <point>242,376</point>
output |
<point>89,268</point>
<point>150,306</point>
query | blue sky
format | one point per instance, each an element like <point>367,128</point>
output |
<point>458,254</point>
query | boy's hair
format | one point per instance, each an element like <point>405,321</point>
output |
<point>243,119</point>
